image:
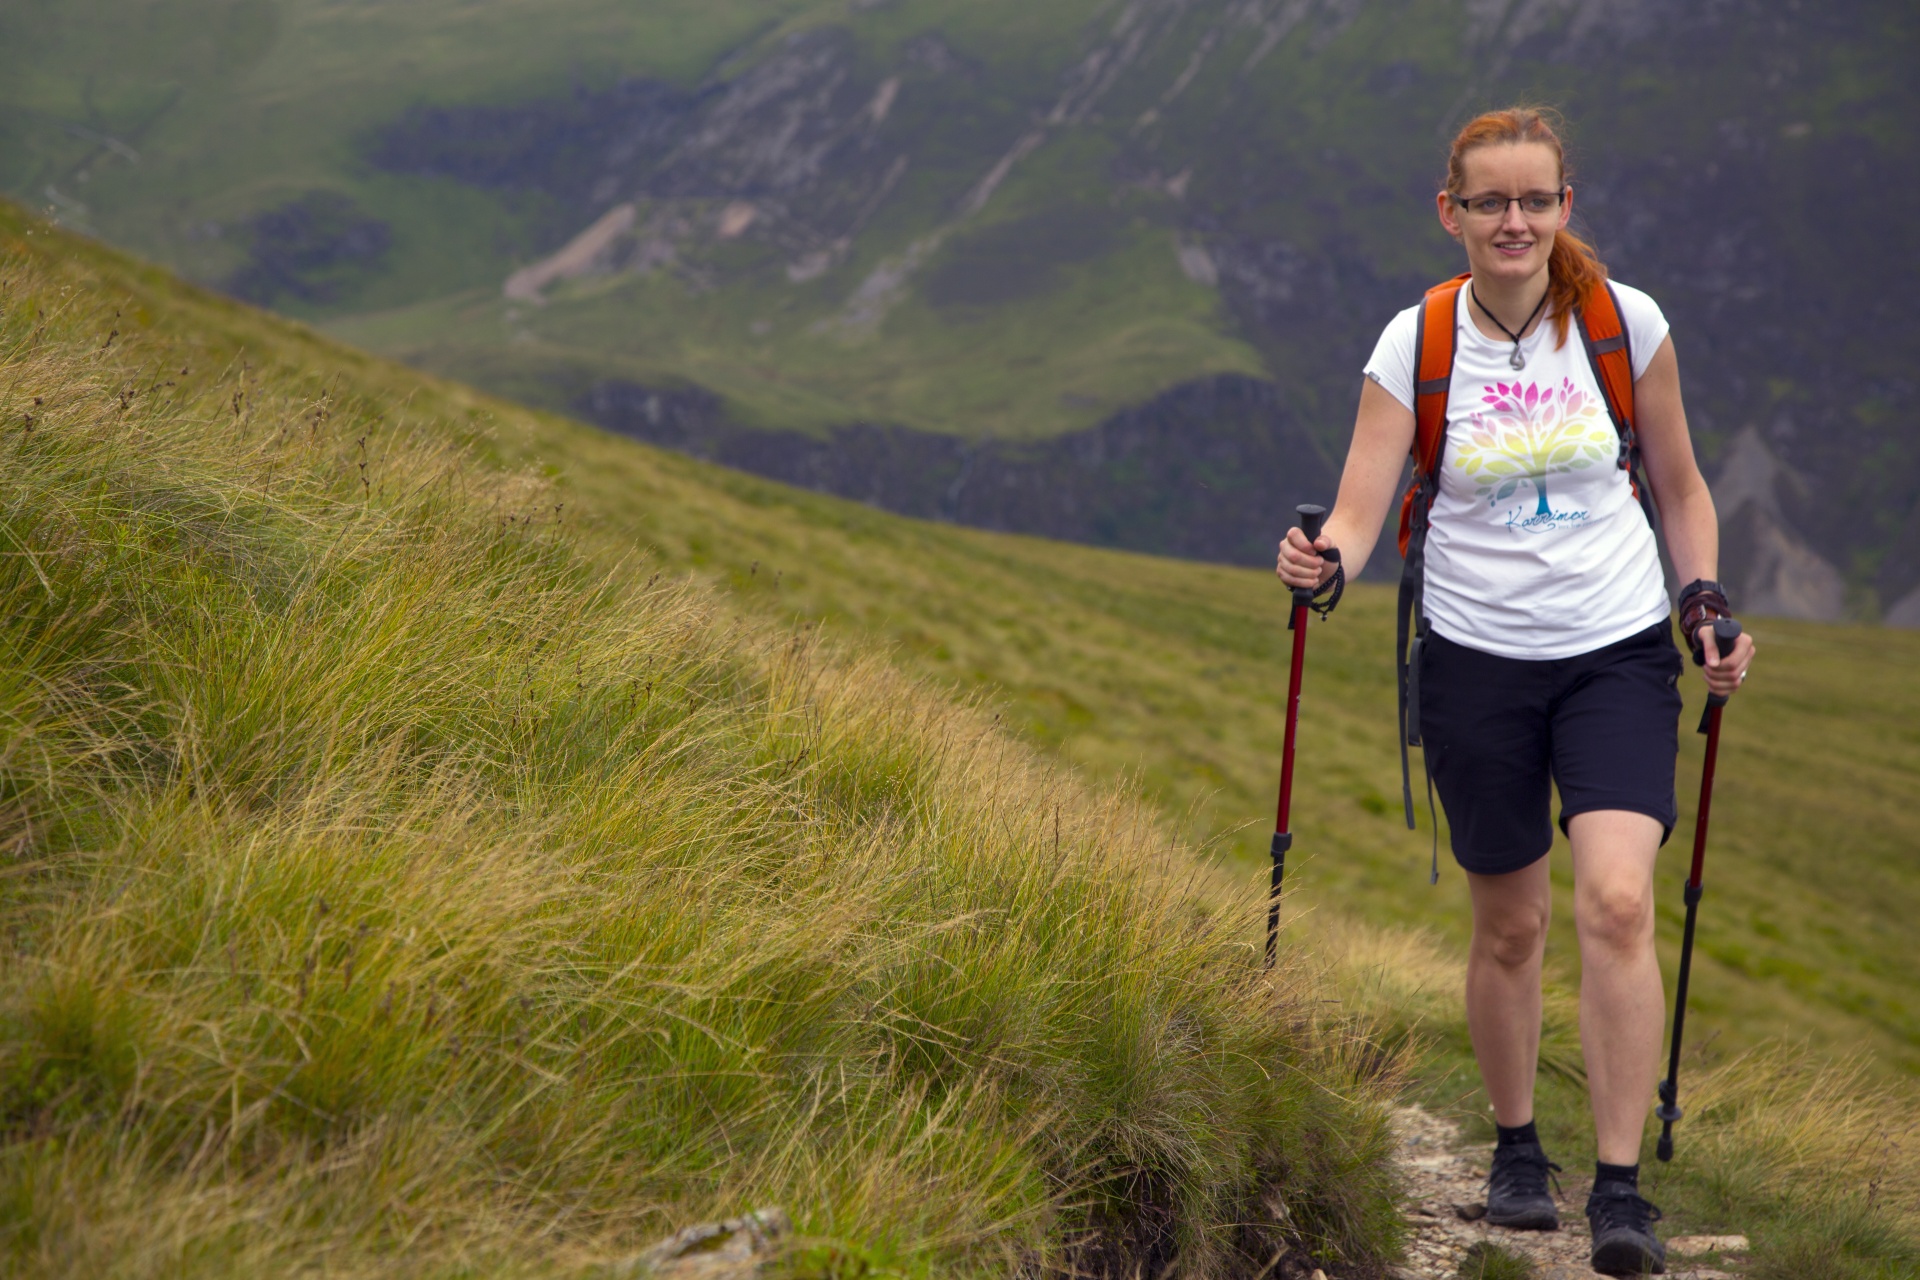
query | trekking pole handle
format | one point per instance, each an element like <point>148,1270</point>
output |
<point>1725,632</point>
<point>1313,518</point>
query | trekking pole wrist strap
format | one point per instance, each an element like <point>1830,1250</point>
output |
<point>1701,602</point>
<point>1336,585</point>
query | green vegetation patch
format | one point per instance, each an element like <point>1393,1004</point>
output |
<point>1019,258</point>
<point>1489,1261</point>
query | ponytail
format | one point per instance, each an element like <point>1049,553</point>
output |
<point>1573,269</point>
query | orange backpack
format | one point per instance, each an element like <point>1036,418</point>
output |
<point>1607,350</point>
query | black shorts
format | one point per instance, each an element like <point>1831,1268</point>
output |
<point>1603,725</point>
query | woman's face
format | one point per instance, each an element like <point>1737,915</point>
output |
<point>1511,242</point>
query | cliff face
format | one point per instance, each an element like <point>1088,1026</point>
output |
<point>1764,563</point>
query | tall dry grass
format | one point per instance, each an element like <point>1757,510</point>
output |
<point>387,891</point>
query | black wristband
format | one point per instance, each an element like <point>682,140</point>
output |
<point>1701,601</point>
<point>1699,586</point>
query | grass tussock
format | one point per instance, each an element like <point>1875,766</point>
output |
<point>388,890</point>
<point>1486,1260</point>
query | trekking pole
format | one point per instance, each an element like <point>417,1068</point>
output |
<point>1725,632</point>
<point>1311,517</point>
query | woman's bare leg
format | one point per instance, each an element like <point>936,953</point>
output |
<point>1622,1004</point>
<point>1510,914</point>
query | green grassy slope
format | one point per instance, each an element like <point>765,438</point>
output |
<point>1164,676</point>
<point>388,887</point>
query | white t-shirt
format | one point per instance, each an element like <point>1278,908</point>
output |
<point>1537,548</point>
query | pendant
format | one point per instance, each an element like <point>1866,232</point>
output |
<point>1517,360</point>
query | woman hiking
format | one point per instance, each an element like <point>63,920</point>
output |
<point>1546,649</point>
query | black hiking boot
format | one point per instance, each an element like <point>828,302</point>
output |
<point>1517,1193</point>
<point>1623,1239</point>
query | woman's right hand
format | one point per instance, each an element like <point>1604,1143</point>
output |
<point>1300,563</point>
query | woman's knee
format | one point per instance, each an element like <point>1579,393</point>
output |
<point>1512,938</point>
<point>1618,916</point>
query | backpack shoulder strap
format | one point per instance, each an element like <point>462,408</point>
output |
<point>1434,342</point>
<point>1610,352</point>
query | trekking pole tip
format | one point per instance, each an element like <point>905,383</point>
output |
<point>1667,1112</point>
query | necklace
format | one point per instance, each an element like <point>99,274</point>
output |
<point>1516,360</point>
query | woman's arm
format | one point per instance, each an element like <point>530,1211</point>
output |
<point>1382,435</point>
<point>1680,491</point>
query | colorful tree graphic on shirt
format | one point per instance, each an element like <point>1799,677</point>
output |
<point>1526,434</point>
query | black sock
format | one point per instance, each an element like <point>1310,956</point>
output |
<point>1518,1134</point>
<point>1627,1173</point>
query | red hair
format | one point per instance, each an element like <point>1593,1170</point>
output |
<point>1573,268</point>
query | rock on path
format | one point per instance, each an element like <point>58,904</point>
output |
<point>1442,1180</point>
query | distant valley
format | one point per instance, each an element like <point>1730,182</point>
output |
<point>1092,270</point>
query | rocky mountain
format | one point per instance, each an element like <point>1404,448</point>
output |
<point>881,246</point>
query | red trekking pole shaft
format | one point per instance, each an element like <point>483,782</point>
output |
<point>1311,518</point>
<point>1725,632</point>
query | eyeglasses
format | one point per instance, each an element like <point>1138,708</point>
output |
<point>1534,204</point>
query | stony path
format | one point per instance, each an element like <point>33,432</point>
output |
<point>1443,1180</point>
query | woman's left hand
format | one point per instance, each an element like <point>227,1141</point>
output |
<point>1724,675</point>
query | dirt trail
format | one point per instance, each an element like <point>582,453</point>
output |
<point>575,258</point>
<point>1441,1175</point>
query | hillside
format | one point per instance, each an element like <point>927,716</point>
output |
<point>490,695</point>
<point>393,889</point>
<point>1021,244</point>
